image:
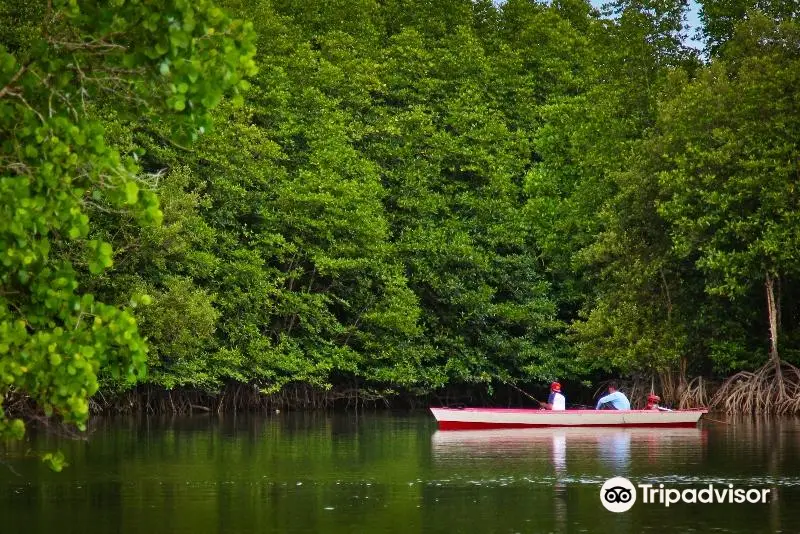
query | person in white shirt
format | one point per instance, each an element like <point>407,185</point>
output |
<point>556,401</point>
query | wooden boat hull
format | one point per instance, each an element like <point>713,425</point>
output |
<point>490,418</point>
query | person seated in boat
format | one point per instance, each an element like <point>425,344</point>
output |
<point>615,400</point>
<point>652,402</point>
<point>556,401</point>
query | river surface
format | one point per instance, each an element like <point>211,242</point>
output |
<point>378,472</point>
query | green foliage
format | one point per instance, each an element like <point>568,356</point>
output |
<point>454,163</point>
<point>732,158</point>
<point>55,461</point>
<point>360,216</point>
<point>721,17</point>
<point>56,167</point>
<point>700,212</point>
<point>729,154</point>
<point>403,194</point>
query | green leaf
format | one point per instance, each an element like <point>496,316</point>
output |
<point>131,192</point>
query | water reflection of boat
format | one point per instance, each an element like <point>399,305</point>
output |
<point>489,418</point>
<point>609,444</point>
<point>559,452</point>
<point>615,449</point>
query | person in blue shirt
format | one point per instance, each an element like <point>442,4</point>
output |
<point>615,400</point>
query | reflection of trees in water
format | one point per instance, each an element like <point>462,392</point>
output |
<point>774,462</point>
<point>766,447</point>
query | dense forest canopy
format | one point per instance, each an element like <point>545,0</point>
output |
<point>400,195</point>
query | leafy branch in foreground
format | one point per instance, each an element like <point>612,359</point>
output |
<point>178,59</point>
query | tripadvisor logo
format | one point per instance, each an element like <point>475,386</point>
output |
<point>618,494</point>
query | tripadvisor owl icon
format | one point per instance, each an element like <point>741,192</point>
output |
<point>618,494</point>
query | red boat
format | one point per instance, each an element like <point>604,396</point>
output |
<point>487,418</point>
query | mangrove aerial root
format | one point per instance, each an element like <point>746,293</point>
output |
<point>772,389</point>
<point>695,394</point>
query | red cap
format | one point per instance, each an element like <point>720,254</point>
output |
<point>555,386</point>
<point>653,398</point>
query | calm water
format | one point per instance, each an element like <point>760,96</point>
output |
<point>385,473</point>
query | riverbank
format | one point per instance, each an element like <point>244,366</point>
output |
<point>356,396</point>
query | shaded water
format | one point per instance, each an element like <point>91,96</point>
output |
<point>388,473</point>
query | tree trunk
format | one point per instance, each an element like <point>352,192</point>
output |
<point>772,310</point>
<point>682,382</point>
